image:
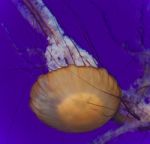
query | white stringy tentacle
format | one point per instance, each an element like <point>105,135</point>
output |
<point>128,127</point>
<point>47,16</point>
<point>61,50</point>
<point>26,13</point>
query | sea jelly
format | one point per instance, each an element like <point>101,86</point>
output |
<point>75,95</point>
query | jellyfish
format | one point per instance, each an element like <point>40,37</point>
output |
<point>75,95</point>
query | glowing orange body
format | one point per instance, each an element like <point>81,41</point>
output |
<point>75,99</point>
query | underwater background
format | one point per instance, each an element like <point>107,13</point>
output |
<point>102,27</point>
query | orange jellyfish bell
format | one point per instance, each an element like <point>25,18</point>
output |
<point>75,98</point>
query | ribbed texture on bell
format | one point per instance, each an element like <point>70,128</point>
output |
<point>75,99</point>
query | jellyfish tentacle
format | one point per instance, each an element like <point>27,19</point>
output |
<point>63,49</point>
<point>37,13</point>
<point>127,127</point>
<point>47,16</point>
<point>26,13</point>
<point>53,25</point>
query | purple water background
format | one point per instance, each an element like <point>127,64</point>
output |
<point>108,24</point>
